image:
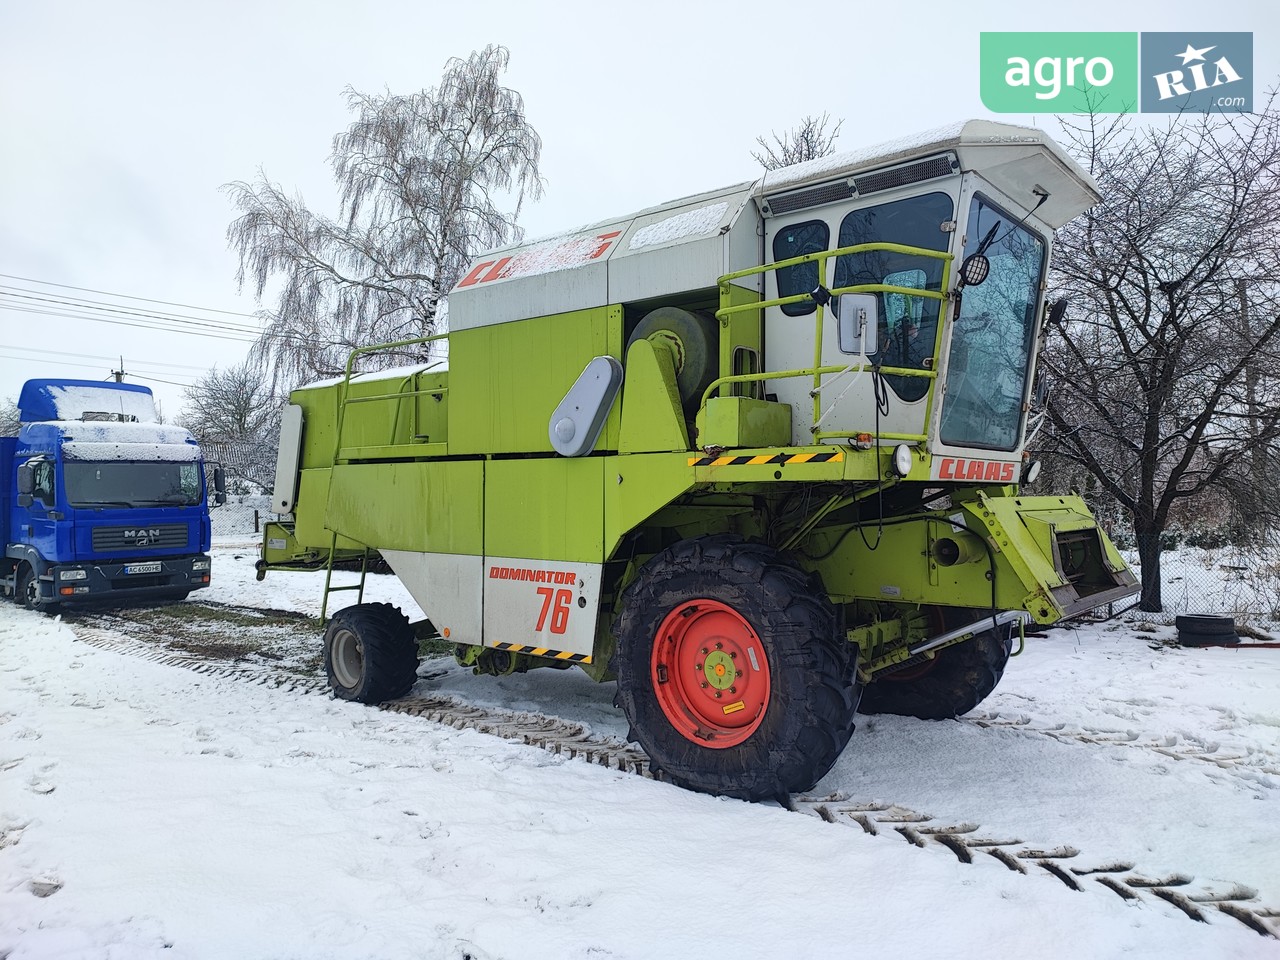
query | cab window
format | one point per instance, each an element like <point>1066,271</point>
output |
<point>42,475</point>
<point>909,325</point>
<point>797,240</point>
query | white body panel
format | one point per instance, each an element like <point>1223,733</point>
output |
<point>288,456</point>
<point>544,604</point>
<point>448,587</point>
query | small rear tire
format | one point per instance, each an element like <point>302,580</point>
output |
<point>370,653</point>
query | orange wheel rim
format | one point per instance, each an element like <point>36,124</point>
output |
<point>710,674</point>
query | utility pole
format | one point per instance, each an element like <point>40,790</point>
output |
<point>119,374</point>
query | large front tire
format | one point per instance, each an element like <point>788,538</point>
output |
<point>955,681</point>
<point>730,670</point>
<point>370,653</point>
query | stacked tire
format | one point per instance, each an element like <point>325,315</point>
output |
<point>1205,630</point>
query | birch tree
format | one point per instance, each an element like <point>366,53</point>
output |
<point>424,180</point>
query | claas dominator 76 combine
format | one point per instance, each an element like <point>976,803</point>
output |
<point>756,455</point>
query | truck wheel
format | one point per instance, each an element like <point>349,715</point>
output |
<point>951,684</point>
<point>696,337</point>
<point>370,653</point>
<point>730,670</point>
<point>29,592</point>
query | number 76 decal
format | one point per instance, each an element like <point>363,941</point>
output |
<point>557,603</point>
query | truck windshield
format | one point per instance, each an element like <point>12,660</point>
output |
<point>992,334</point>
<point>132,483</point>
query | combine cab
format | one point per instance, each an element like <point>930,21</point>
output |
<point>757,454</point>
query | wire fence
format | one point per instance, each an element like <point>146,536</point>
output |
<point>1242,581</point>
<point>241,517</point>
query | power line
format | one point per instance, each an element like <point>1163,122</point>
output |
<point>125,323</point>
<point>123,311</point>
<point>124,296</point>
<point>94,356</point>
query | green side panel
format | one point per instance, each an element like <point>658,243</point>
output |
<point>652,418</point>
<point>638,486</point>
<point>900,562</point>
<point>732,422</point>
<point>309,527</point>
<point>397,411</point>
<point>430,507</point>
<point>741,330</point>
<point>545,509</point>
<point>319,426</point>
<point>506,379</point>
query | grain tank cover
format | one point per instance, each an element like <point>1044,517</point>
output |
<point>678,246</point>
<point>42,400</point>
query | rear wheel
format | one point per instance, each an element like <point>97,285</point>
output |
<point>370,653</point>
<point>730,670</point>
<point>956,680</point>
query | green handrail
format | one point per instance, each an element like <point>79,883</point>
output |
<point>817,371</point>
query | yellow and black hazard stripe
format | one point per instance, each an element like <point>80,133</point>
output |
<point>834,456</point>
<point>544,652</point>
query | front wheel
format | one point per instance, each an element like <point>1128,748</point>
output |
<point>370,653</point>
<point>29,594</point>
<point>730,670</point>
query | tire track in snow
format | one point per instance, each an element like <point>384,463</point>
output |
<point>966,841</point>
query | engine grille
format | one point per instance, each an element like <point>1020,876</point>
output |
<point>155,535</point>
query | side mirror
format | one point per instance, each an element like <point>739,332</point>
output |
<point>1056,311</point>
<point>858,323</point>
<point>219,486</point>
<point>26,481</point>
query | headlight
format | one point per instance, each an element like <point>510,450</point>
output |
<point>73,574</point>
<point>902,459</point>
<point>199,564</point>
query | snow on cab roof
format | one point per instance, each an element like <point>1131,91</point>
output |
<point>42,400</point>
<point>105,440</point>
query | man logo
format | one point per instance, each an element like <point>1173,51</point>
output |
<point>142,537</point>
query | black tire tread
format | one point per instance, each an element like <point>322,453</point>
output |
<point>390,652</point>
<point>964,676</point>
<point>803,741</point>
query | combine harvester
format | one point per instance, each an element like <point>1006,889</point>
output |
<point>756,454</point>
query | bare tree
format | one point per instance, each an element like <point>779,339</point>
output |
<point>1165,384</point>
<point>420,181</point>
<point>807,141</point>
<point>236,417</point>
<point>9,421</point>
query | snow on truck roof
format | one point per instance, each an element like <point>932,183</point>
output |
<point>107,440</point>
<point>43,400</point>
<point>687,243</point>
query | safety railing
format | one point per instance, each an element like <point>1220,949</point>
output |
<point>819,370</point>
<point>346,397</point>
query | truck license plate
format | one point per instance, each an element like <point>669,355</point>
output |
<point>153,567</point>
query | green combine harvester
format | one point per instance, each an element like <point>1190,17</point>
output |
<point>756,454</point>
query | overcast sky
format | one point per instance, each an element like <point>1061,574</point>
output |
<point>119,121</point>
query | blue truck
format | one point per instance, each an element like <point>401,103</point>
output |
<point>98,501</point>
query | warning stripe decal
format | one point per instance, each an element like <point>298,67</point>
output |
<point>834,456</point>
<point>544,652</point>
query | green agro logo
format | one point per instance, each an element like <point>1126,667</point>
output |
<point>1079,72</point>
<point>1059,72</point>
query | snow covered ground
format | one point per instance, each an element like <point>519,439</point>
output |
<point>150,811</point>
